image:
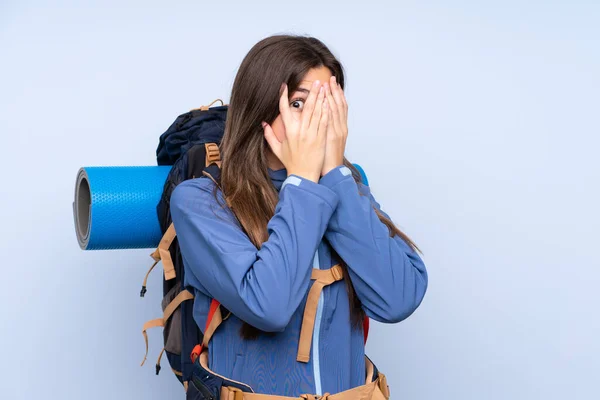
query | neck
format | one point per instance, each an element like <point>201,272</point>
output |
<point>273,162</point>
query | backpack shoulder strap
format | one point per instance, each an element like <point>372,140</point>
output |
<point>201,157</point>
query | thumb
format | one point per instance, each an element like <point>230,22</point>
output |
<point>272,140</point>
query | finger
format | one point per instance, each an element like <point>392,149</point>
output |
<point>338,95</point>
<point>309,105</point>
<point>284,104</point>
<point>316,117</point>
<point>333,107</point>
<point>330,127</point>
<point>329,108</point>
<point>341,99</point>
<point>324,119</point>
<point>344,102</point>
<point>271,139</point>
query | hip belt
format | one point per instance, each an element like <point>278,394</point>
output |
<point>208,385</point>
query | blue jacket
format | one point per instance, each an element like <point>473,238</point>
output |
<point>268,287</point>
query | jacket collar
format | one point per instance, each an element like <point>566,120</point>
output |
<point>277,177</point>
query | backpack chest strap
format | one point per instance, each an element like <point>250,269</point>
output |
<point>322,278</point>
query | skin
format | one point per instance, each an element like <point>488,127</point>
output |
<point>316,125</point>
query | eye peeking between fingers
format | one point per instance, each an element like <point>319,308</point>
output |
<point>297,104</point>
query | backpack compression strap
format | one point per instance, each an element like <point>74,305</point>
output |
<point>162,253</point>
<point>162,322</point>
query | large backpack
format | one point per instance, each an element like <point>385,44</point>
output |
<point>191,146</point>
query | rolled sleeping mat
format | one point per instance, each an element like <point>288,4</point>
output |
<point>363,175</point>
<point>115,207</point>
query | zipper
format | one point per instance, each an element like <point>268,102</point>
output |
<point>316,334</point>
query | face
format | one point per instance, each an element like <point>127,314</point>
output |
<point>298,98</point>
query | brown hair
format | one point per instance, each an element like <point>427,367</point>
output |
<point>244,179</point>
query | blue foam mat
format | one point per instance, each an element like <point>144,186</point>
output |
<point>115,207</point>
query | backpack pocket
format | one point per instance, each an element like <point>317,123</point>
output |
<point>172,329</point>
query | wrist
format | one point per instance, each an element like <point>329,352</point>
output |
<point>308,175</point>
<point>330,167</point>
<point>335,176</point>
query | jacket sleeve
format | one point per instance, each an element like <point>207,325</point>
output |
<point>265,286</point>
<point>389,277</point>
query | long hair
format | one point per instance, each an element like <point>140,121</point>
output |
<point>244,179</point>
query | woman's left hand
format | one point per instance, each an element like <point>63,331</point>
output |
<point>337,128</point>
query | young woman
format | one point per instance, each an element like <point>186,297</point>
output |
<point>262,239</point>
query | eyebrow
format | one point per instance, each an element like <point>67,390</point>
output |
<point>303,90</point>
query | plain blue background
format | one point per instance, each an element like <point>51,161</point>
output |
<point>476,122</point>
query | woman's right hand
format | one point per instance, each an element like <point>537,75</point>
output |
<point>302,152</point>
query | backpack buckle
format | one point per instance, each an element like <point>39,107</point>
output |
<point>213,155</point>
<point>237,393</point>
<point>196,351</point>
<point>336,272</point>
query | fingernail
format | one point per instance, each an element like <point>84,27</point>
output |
<point>333,78</point>
<point>316,83</point>
<point>321,90</point>
<point>263,124</point>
